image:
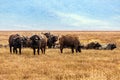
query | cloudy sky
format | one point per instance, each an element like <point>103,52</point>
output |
<point>59,14</point>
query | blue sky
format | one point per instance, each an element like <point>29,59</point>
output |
<point>59,14</point>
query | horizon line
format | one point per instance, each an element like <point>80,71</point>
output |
<point>61,30</point>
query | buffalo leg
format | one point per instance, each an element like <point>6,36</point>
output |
<point>53,45</point>
<point>38,51</point>
<point>72,50</point>
<point>16,50</point>
<point>20,50</point>
<point>76,49</point>
<point>10,49</point>
<point>44,50</point>
<point>79,48</point>
<point>41,50</point>
<point>34,51</point>
<point>13,49</point>
<point>61,49</point>
<point>49,46</point>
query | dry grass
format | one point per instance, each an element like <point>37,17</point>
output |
<point>87,65</point>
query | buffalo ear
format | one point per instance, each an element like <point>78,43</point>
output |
<point>31,38</point>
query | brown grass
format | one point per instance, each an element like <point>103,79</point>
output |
<point>87,65</point>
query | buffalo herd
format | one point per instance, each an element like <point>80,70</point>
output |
<point>48,40</point>
<point>98,46</point>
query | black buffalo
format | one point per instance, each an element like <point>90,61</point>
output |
<point>69,41</point>
<point>25,41</point>
<point>38,42</point>
<point>51,39</point>
<point>109,46</point>
<point>15,41</point>
<point>93,45</point>
<point>47,34</point>
<point>43,43</point>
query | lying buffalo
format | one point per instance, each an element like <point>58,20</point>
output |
<point>70,42</point>
<point>15,41</point>
<point>93,45</point>
<point>109,46</point>
<point>51,39</point>
<point>38,42</point>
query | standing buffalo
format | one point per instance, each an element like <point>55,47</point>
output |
<point>70,41</point>
<point>15,41</point>
<point>38,42</point>
<point>47,34</point>
<point>51,39</point>
<point>43,43</point>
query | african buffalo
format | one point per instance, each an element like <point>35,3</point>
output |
<point>15,41</point>
<point>70,41</point>
<point>25,41</point>
<point>109,46</point>
<point>43,43</point>
<point>38,42</point>
<point>47,34</point>
<point>51,39</point>
<point>93,45</point>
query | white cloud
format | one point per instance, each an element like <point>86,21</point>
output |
<point>79,19</point>
<point>117,17</point>
<point>76,20</point>
<point>22,26</point>
<point>15,27</point>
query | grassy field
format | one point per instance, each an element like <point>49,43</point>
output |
<point>87,65</point>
